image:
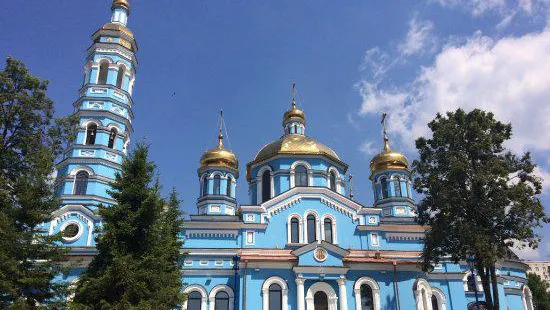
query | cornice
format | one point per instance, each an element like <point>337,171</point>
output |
<point>87,160</point>
<point>87,197</point>
<point>108,114</point>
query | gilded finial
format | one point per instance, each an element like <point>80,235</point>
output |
<point>220,134</point>
<point>386,140</point>
<point>294,96</point>
<point>122,3</point>
<point>350,186</point>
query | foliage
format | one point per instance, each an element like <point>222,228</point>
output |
<point>539,291</point>
<point>138,250</point>
<point>479,198</point>
<point>30,140</point>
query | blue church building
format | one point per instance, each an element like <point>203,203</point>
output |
<point>299,241</point>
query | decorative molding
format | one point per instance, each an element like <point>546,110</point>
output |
<point>211,233</point>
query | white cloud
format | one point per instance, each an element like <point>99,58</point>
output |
<point>505,22</point>
<point>502,7</point>
<point>526,253</point>
<point>419,37</point>
<point>545,176</point>
<point>476,7</point>
<point>509,77</point>
<point>369,148</point>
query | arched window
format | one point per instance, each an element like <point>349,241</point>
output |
<point>435,306</point>
<point>333,181</point>
<point>266,186</point>
<point>205,186</point>
<point>221,301</point>
<point>294,230</point>
<point>103,70</point>
<point>471,283</point>
<point>91,132</point>
<point>311,231</point>
<point>384,185</point>
<point>229,187</point>
<point>120,76</point>
<point>408,189</point>
<point>397,187</point>
<point>320,301</point>
<point>275,297</point>
<point>300,176</point>
<point>194,301</point>
<point>81,183</point>
<point>328,230</point>
<point>112,138</point>
<point>367,299</point>
<point>217,181</point>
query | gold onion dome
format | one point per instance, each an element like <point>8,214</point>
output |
<point>122,3</point>
<point>294,114</point>
<point>388,159</point>
<point>219,156</point>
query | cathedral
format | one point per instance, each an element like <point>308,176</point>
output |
<point>298,242</point>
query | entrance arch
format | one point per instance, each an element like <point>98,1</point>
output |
<point>318,293</point>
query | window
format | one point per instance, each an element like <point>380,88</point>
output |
<point>384,184</point>
<point>294,230</point>
<point>320,301</point>
<point>367,300</point>
<point>221,301</point>
<point>275,297</point>
<point>435,305</point>
<point>91,132</point>
<point>266,185</point>
<point>397,187</point>
<point>205,186</point>
<point>103,70</point>
<point>203,263</point>
<point>228,187</point>
<point>112,137</point>
<point>374,239</point>
<point>218,263</point>
<point>333,181</point>
<point>250,217</point>
<point>372,219</point>
<point>217,181</point>
<point>249,237</point>
<point>471,283</point>
<point>194,301</point>
<point>81,183</point>
<point>120,76</point>
<point>300,176</point>
<point>311,231</point>
<point>188,263</point>
<point>328,230</point>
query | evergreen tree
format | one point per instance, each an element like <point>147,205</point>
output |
<point>30,141</point>
<point>479,198</point>
<point>539,291</point>
<point>136,266</point>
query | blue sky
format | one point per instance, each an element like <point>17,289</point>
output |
<point>350,61</point>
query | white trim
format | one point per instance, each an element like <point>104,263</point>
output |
<point>441,299</point>
<point>373,237</point>
<point>289,228</point>
<point>333,223</point>
<point>265,292</point>
<point>253,237</point>
<point>478,282</point>
<point>338,177</point>
<point>78,234</point>
<point>304,220</point>
<point>527,298</point>
<point>259,188</point>
<point>423,294</point>
<point>375,292</point>
<point>332,298</point>
<point>308,170</point>
<point>215,290</point>
<point>198,288</point>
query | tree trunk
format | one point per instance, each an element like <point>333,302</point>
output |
<point>494,284</point>
<point>482,271</point>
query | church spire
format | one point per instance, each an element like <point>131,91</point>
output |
<point>294,120</point>
<point>220,134</point>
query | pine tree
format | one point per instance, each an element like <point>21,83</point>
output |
<point>136,266</point>
<point>540,290</point>
<point>479,198</point>
<point>30,141</point>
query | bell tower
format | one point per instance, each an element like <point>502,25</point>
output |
<point>104,112</point>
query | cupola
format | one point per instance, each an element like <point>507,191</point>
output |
<point>388,159</point>
<point>219,157</point>
<point>294,119</point>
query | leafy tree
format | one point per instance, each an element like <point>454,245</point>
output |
<point>479,198</point>
<point>138,250</point>
<point>540,291</point>
<point>30,141</point>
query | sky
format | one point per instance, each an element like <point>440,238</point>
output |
<point>350,61</point>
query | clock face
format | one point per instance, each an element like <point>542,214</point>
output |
<point>320,254</point>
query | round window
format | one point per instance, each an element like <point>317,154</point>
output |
<point>71,231</point>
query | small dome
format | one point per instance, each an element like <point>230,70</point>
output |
<point>219,157</point>
<point>388,159</point>
<point>122,3</point>
<point>294,114</point>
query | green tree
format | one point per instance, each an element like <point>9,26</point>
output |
<point>137,264</point>
<point>539,291</point>
<point>30,140</point>
<point>479,198</point>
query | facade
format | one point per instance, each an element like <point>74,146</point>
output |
<point>299,242</point>
<point>540,268</point>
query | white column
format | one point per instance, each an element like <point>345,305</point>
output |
<point>342,294</point>
<point>265,298</point>
<point>300,298</point>
<point>212,300</point>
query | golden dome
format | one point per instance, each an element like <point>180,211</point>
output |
<point>219,157</point>
<point>118,27</point>
<point>388,159</point>
<point>123,3</point>
<point>294,113</point>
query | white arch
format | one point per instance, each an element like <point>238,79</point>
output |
<point>104,58</point>
<point>77,169</point>
<point>215,173</point>
<point>527,298</point>
<point>423,294</point>
<point>259,188</point>
<point>265,292</point>
<point>91,120</point>
<point>478,282</point>
<point>333,223</point>
<point>201,290</point>
<point>289,230</point>
<point>113,125</point>
<point>338,177</point>
<point>321,287</point>
<point>219,288</point>
<point>317,224</point>
<point>441,299</point>
<point>375,292</point>
<point>309,172</point>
